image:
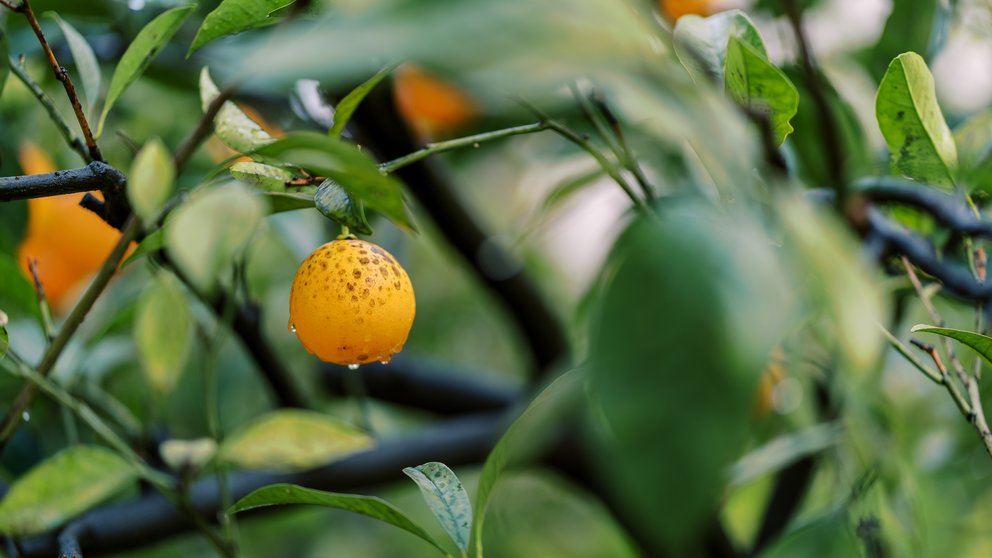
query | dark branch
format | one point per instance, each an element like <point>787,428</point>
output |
<point>69,545</point>
<point>203,128</point>
<point>949,210</point>
<point>95,176</point>
<point>426,386</point>
<point>380,127</point>
<point>152,518</point>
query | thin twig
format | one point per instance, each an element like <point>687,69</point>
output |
<point>62,75</point>
<point>9,5</point>
<point>70,138</point>
<point>457,143</point>
<point>46,312</point>
<point>199,133</point>
<point>631,161</point>
<point>69,327</point>
<point>945,379</point>
<point>937,319</point>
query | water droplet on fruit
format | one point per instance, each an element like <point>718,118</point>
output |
<point>292,327</point>
<point>385,360</point>
<point>352,367</point>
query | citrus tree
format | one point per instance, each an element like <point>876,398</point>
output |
<point>649,282</point>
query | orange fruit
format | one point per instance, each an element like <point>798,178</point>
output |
<point>68,242</point>
<point>674,9</point>
<point>351,303</point>
<point>430,105</point>
<point>773,374</point>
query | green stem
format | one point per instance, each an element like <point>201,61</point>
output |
<point>69,327</point>
<point>457,143</point>
<point>53,113</point>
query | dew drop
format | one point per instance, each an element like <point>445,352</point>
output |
<point>475,145</point>
<point>385,360</point>
<point>353,367</point>
<point>292,327</point>
<point>26,416</point>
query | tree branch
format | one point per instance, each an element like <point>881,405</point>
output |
<point>95,176</point>
<point>949,210</point>
<point>200,132</point>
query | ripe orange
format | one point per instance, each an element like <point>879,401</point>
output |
<point>351,303</point>
<point>69,243</point>
<point>674,9</point>
<point>430,105</point>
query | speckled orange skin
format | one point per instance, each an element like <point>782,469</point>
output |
<point>674,9</point>
<point>351,303</point>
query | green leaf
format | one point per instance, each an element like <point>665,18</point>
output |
<point>140,53</point>
<point>701,42</point>
<point>370,506</point>
<point>920,143</point>
<point>261,176</point>
<point>830,535</point>
<point>756,83</point>
<point>163,333</point>
<point>782,451</point>
<point>346,107</point>
<point>981,344</point>
<point>684,330</point>
<point>184,455</point>
<point>151,243</point>
<point>61,487</point>
<point>287,201</point>
<point>293,439</point>
<point>209,231</point>
<point>232,125</point>
<point>332,201</point>
<point>529,434</point>
<point>151,180</point>
<point>973,139</point>
<point>17,295</point>
<point>4,51</point>
<point>447,499</point>
<point>323,155</point>
<point>235,16</point>
<point>86,63</point>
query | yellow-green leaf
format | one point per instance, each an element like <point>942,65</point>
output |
<point>150,182</point>
<point>163,333</point>
<point>232,125</point>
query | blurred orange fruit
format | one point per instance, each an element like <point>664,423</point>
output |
<point>674,9</point>
<point>351,303</point>
<point>773,374</point>
<point>68,242</point>
<point>431,106</point>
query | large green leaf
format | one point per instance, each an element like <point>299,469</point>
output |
<point>163,333</point>
<point>282,494</point>
<point>447,499</point>
<point>61,487</point>
<point>756,83</point>
<point>921,145</point>
<point>528,435</point>
<point>346,107</point>
<point>211,229</point>
<point>140,53</point>
<point>86,63</point>
<point>330,157</point>
<point>293,439</point>
<point>981,344</point>
<point>701,42</point>
<point>231,124</point>
<point>693,305</point>
<point>235,16</point>
<point>150,182</point>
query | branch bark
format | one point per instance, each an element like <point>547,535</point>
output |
<point>94,176</point>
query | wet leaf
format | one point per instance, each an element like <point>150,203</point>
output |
<point>232,125</point>
<point>335,203</point>
<point>163,333</point>
<point>261,176</point>
<point>140,53</point>
<point>447,499</point>
<point>61,487</point>
<point>293,440</point>
<point>756,83</point>
<point>235,16</point>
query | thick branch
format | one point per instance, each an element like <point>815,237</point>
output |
<point>95,176</point>
<point>426,386</point>
<point>949,210</point>
<point>152,518</point>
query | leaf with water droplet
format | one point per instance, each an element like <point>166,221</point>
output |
<point>447,499</point>
<point>334,202</point>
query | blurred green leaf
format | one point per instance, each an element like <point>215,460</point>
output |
<point>13,225</point>
<point>61,487</point>
<point>783,451</point>
<point>207,232</point>
<point>232,125</point>
<point>566,188</point>
<point>346,107</point>
<point>528,435</point>
<point>163,333</point>
<point>17,295</point>
<point>4,51</point>
<point>981,344</point>
<point>151,243</point>
<point>150,181</point>
<point>140,53</point>
<point>85,59</point>
<point>235,16</point>
<point>920,143</point>
<point>447,499</point>
<point>330,157</point>
<point>287,201</point>
<point>181,455</point>
<point>370,506</point>
<point>683,333</point>
<point>701,42</point>
<point>4,338</point>
<point>909,27</point>
<point>293,440</point>
<point>261,176</point>
<point>973,139</point>
<point>830,536</point>
<point>335,204</point>
<point>756,83</point>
